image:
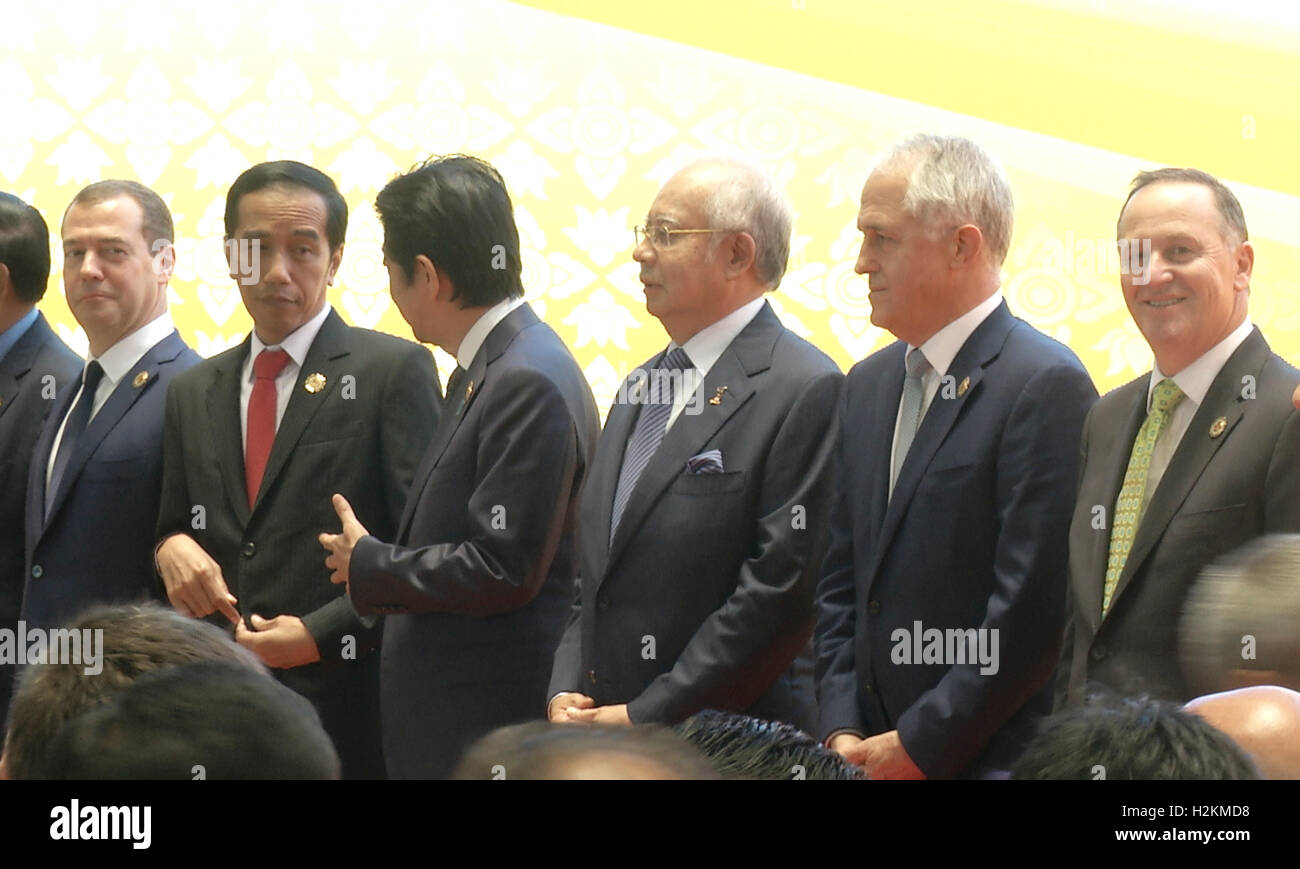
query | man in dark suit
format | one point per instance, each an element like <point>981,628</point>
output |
<point>1183,464</point>
<point>96,472</point>
<point>258,439</point>
<point>938,622</point>
<point>478,584</point>
<point>36,368</point>
<point>702,525</point>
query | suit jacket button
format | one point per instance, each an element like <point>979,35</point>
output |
<point>602,603</point>
<point>1098,652</point>
<point>873,607</point>
<point>249,549</point>
<point>591,674</point>
<point>37,571</point>
<point>869,688</point>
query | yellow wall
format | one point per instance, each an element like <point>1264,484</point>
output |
<point>587,106</point>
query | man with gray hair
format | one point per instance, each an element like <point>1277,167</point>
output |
<point>939,608</point>
<point>701,526</point>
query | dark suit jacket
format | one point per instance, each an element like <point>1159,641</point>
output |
<point>97,546</point>
<point>478,586</point>
<point>974,537</point>
<point>1217,493</point>
<point>361,435</point>
<point>704,599</point>
<point>26,397</point>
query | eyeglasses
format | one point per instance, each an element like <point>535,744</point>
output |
<point>661,236</point>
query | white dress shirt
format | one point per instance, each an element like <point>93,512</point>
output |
<point>1195,381</point>
<point>939,350</point>
<point>117,362</point>
<point>705,348</point>
<point>297,344</point>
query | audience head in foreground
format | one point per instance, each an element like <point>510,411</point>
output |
<point>1264,720</point>
<point>540,750</point>
<point>1131,739</point>
<point>744,747</point>
<point>137,639</point>
<point>213,720</point>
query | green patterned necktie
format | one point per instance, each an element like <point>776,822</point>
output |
<point>1128,506</point>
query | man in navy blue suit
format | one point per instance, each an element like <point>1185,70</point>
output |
<point>36,368</point>
<point>96,473</point>
<point>941,599</point>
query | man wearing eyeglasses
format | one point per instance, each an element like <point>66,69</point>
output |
<point>701,524</point>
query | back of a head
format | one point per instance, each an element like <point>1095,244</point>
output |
<point>456,211</point>
<point>132,640</point>
<point>954,181</point>
<point>213,720</point>
<point>1239,620</point>
<point>24,248</point>
<point>540,750</point>
<point>1264,720</point>
<point>1131,738</point>
<point>743,747</point>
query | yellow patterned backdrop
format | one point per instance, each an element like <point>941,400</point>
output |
<point>586,119</point>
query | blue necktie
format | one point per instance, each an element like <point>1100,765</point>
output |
<point>650,428</point>
<point>75,427</point>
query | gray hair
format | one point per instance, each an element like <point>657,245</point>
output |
<point>954,180</point>
<point>746,199</point>
<point>1234,221</point>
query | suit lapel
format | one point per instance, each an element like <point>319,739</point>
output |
<point>325,356</point>
<point>1112,439</point>
<point>457,406</point>
<point>140,379</point>
<point>224,422</point>
<point>19,361</point>
<point>40,464</point>
<point>749,354</point>
<point>1195,450</point>
<point>959,386</point>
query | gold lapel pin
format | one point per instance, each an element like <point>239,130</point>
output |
<point>963,386</point>
<point>469,390</point>
<point>1218,427</point>
<point>140,379</point>
<point>314,383</point>
<point>717,396</point>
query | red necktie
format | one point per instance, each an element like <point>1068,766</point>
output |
<point>261,418</point>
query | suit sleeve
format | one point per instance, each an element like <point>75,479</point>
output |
<point>526,463</point>
<point>837,690</point>
<point>1061,686</point>
<point>950,724</point>
<point>1281,505</point>
<point>409,416</point>
<point>743,646</point>
<point>566,670</point>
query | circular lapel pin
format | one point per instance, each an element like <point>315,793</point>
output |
<point>140,379</point>
<point>963,386</point>
<point>314,383</point>
<point>1218,427</point>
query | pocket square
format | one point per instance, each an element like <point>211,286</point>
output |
<point>708,462</point>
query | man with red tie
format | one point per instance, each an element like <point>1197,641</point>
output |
<point>259,438</point>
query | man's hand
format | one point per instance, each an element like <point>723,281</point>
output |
<point>282,642</point>
<point>885,758</point>
<point>1295,398</point>
<point>850,747</point>
<point>339,546</point>
<point>193,580</point>
<point>561,708</point>
<point>601,715</point>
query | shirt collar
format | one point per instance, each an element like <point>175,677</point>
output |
<point>10,336</point>
<point>944,345</point>
<point>296,343</point>
<point>118,360</point>
<point>706,346</point>
<point>483,327</point>
<point>1195,379</point>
